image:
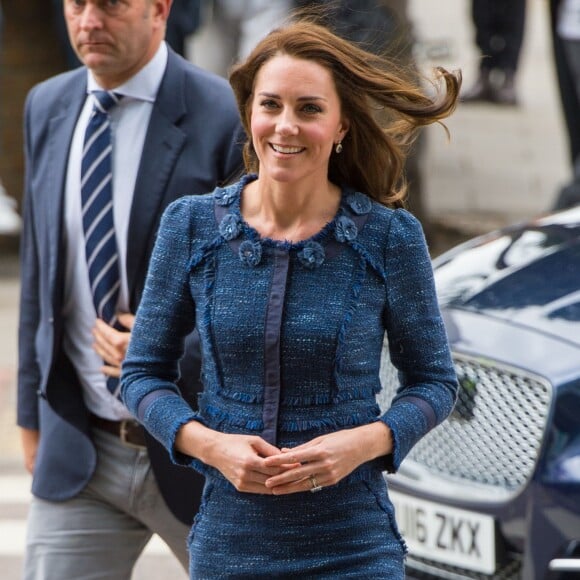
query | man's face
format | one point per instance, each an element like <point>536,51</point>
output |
<point>115,38</point>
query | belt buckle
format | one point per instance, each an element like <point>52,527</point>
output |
<point>124,433</point>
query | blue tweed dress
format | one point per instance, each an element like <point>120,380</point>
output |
<point>291,337</point>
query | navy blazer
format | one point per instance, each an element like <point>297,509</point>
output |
<point>193,142</point>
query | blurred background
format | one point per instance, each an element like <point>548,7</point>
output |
<point>501,164</point>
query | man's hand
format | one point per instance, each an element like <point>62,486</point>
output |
<point>111,344</point>
<point>29,439</point>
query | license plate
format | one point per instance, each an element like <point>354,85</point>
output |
<point>445,534</point>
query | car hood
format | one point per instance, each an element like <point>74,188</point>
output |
<point>528,274</point>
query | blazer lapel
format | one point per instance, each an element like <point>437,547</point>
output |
<point>163,143</point>
<point>61,128</point>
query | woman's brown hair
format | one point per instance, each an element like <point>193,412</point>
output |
<point>373,155</point>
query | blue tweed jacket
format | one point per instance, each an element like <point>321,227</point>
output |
<point>291,333</point>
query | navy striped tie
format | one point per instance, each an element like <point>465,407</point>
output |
<point>97,213</point>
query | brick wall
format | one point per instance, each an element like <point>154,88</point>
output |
<point>30,53</point>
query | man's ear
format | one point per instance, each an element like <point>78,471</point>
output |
<point>162,8</point>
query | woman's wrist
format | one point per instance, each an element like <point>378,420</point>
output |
<point>196,440</point>
<point>376,440</point>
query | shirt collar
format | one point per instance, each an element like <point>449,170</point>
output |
<point>145,84</point>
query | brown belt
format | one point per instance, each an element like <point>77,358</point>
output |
<point>128,431</point>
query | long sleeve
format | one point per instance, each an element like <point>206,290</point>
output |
<point>28,369</point>
<point>417,339</point>
<point>165,317</point>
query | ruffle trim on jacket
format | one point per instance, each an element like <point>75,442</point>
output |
<point>204,253</point>
<point>342,395</point>
<point>359,277</point>
<point>216,418</point>
<point>311,253</point>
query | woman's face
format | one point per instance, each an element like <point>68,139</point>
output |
<point>295,119</point>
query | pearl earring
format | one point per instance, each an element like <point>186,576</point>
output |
<point>338,147</point>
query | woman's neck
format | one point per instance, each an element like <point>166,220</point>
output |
<point>289,211</point>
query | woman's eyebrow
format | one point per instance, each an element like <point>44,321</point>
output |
<point>302,98</point>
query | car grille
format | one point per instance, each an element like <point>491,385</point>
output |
<point>423,569</point>
<point>494,434</point>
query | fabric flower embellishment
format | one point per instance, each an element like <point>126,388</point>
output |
<point>359,203</point>
<point>225,196</point>
<point>311,255</point>
<point>250,253</point>
<point>230,227</point>
<point>346,230</point>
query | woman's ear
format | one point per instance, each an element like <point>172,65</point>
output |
<point>343,130</point>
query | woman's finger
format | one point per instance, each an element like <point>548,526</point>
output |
<point>264,449</point>
<point>298,473</point>
<point>300,486</point>
<point>251,487</point>
<point>297,455</point>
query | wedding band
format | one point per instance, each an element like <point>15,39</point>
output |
<point>315,486</point>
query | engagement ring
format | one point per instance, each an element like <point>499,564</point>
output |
<point>315,487</point>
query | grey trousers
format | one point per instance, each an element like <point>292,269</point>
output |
<point>99,534</point>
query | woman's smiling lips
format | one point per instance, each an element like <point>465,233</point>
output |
<point>287,150</point>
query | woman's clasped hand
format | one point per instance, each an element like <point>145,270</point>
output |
<point>253,465</point>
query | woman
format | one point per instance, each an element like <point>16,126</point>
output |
<point>293,276</point>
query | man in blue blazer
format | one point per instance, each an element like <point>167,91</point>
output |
<point>101,485</point>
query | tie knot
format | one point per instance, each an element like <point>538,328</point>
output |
<point>105,100</point>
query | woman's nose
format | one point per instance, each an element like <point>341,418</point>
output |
<point>286,124</point>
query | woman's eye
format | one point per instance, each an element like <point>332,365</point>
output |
<point>269,104</point>
<point>311,108</point>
